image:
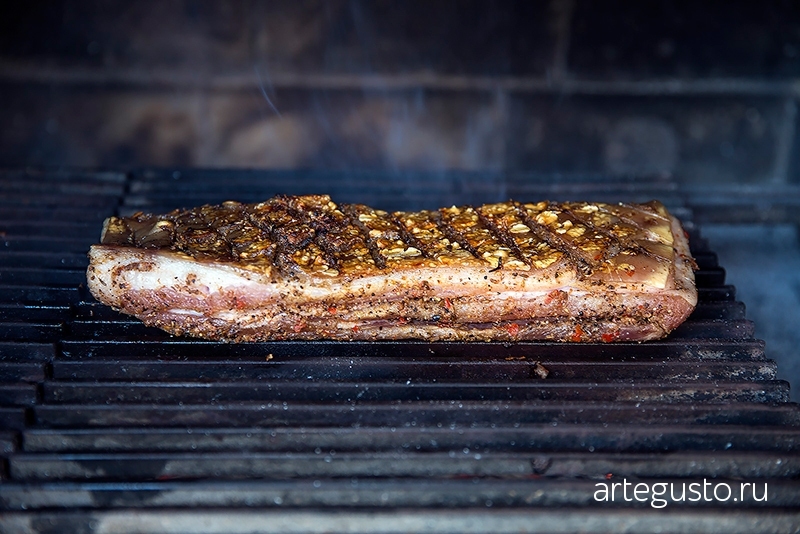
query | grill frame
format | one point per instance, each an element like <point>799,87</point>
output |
<point>449,431</point>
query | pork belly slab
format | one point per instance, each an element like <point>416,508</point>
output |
<point>306,268</point>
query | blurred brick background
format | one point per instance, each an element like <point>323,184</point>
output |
<point>706,92</point>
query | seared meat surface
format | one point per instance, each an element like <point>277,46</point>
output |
<point>307,268</point>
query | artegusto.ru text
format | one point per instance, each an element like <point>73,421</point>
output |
<point>659,494</point>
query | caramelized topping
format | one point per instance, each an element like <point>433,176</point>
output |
<point>314,235</point>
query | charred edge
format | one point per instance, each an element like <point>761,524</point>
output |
<point>282,257</point>
<point>172,233</point>
<point>322,224</point>
<point>147,231</point>
<point>581,265</point>
<point>288,236</point>
<point>126,238</point>
<point>265,230</point>
<point>214,228</point>
<point>277,256</point>
<point>619,243</point>
<point>351,213</point>
<point>408,237</point>
<point>330,256</point>
<point>501,235</point>
<point>184,221</point>
<point>131,232</point>
<point>241,221</point>
<point>234,228</point>
<point>454,235</point>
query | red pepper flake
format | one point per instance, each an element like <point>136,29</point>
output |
<point>553,295</point>
<point>512,329</point>
<point>578,333</point>
<point>401,320</point>
<point>598,256</point>
<point>298,326</point>
<point>608,338</point>
<point>629,272</point>
<point>355,329</point>
<point>448,304</point>
<point>609,476</point>
<point>331,309</point>
<point>239,304</point>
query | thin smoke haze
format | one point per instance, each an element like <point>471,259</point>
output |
<point>264,91</point>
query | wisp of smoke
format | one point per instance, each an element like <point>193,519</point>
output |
<point>264,91</point>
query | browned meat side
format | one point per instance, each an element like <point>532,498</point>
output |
<point>307,268</point>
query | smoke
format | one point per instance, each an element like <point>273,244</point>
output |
<point>264,91</point>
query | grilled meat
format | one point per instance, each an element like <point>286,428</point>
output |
<point>306,268</point>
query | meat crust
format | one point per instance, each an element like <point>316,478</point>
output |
<point>307,268</point>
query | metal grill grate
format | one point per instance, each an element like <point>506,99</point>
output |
<point>110,426</point>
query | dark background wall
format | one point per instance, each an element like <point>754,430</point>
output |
<point>706,91</point>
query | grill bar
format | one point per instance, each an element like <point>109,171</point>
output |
<point>436,429</point>
<point>400,371</point>
<point>403,520</point>
<point>200,465</point>
<point>243,414</point>
<point>183,393</point>
<point>337,493</point>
